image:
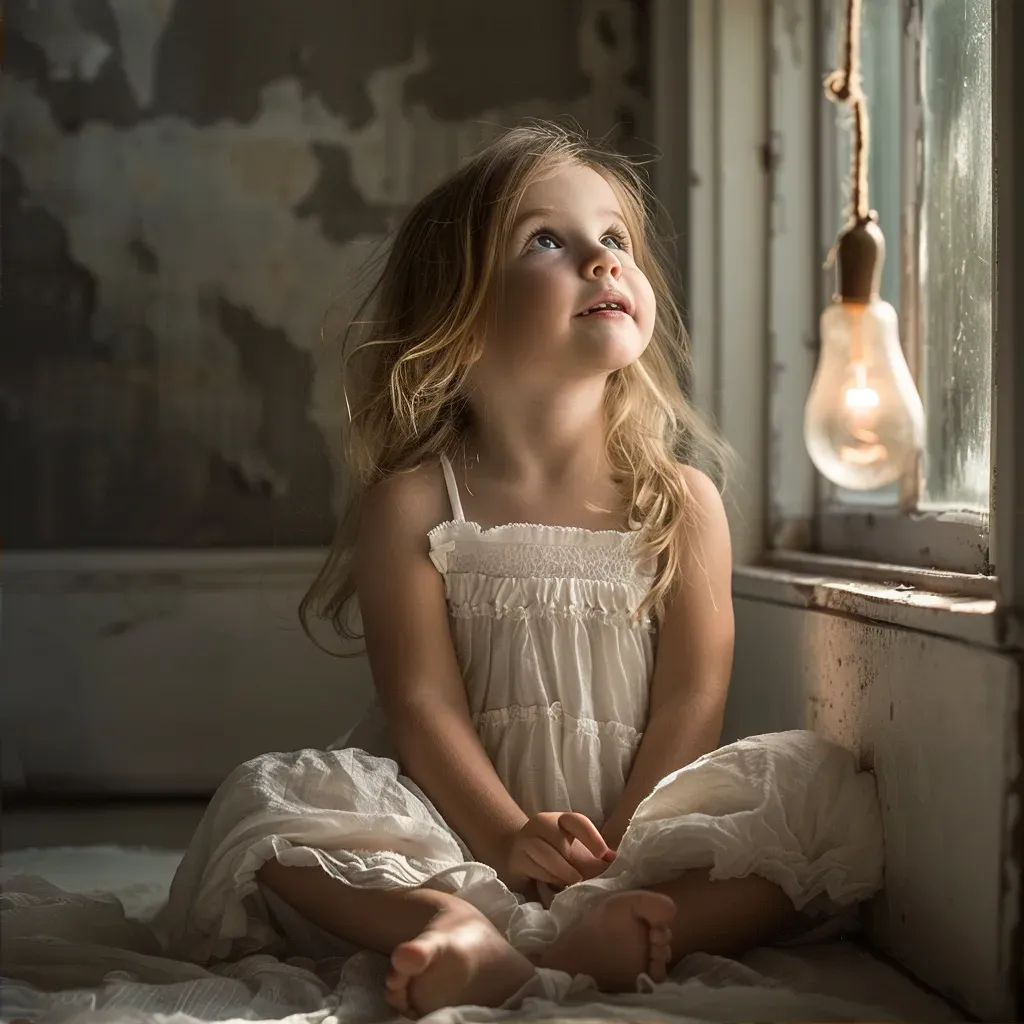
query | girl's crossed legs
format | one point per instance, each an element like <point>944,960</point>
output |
<point>444,952</point>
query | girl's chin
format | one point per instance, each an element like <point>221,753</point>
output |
<point>611,353</point>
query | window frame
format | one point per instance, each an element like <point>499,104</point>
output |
<point>802,518</point>
<point>710,68</point>
<point>790,529</point>
<point>948,540</point>
<point>1007,538</point>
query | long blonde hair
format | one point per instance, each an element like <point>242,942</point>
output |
<point>408,401</point>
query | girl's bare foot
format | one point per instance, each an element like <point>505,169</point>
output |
<point>628,934</point>
<point>460,958</point>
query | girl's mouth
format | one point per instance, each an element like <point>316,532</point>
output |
<point>605,309</point>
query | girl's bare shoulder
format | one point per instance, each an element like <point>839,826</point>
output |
<point>404,508</point>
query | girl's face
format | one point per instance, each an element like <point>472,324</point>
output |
<point>570,250</point>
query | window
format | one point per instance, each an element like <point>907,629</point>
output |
<point>761,188</point>
<point>927,67</point>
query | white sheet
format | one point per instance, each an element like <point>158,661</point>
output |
<point>69,953</point>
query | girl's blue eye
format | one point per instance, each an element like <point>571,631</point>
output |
<point>545,240</point>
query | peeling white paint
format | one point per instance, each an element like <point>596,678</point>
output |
<point>71,51</point>
<point>188,195</point>
<point>214,205</point>
<point>141,25</point>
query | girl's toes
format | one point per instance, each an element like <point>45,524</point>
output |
<point>396,991</point>
<point>662,953</point>
<point>660,957</point>
<point>398,1000</point>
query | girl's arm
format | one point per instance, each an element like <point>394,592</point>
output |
<point>415,672</point>
<point>694,659</point>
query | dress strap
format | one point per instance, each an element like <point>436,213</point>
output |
<point>453,490</point>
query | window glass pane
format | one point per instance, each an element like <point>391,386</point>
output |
<point>956,251</point>
<point>881,41</point>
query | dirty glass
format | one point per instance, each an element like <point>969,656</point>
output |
<point>956,251</point>
<point>955,218</point>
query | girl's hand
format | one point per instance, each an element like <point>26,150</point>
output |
<point>559,848</point>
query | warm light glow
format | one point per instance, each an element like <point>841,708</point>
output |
<point>861,399</point>
<point>864,422</point>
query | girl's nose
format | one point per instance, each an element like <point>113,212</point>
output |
<point>602,263</point>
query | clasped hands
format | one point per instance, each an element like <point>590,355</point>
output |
<point>555,849</point>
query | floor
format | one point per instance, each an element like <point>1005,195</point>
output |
<point>167,826</point>
<point>157,825</point>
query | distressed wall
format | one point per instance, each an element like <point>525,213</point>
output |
<point>188,185</point>
<point>938,720</point>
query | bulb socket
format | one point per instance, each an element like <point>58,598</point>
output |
<point>860,255</point>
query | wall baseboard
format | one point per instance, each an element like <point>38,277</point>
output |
<point>156,672</point>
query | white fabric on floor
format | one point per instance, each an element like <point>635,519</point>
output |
<point>787,806</point>
<point>71,954</point>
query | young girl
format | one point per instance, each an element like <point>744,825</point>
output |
<point>543,577</point>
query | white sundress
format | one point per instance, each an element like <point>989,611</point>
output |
<point>557,671</point>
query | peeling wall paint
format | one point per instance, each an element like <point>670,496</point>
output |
<point>938,721</point>
<point>188,187</point>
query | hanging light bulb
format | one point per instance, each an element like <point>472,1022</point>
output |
<point>864,421</point>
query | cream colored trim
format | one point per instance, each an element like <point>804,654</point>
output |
<point>728,118</point>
